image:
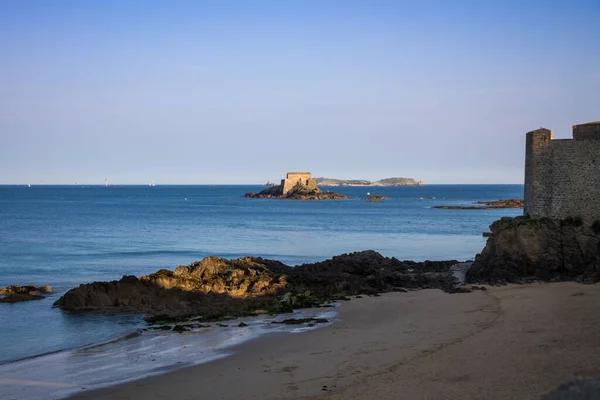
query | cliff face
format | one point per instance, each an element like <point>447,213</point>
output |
<point>545,249</point>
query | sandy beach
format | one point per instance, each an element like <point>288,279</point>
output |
<point>505,343</point>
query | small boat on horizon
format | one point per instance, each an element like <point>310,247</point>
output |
<point>269,183</point>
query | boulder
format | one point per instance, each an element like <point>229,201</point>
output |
<point>545,249</point>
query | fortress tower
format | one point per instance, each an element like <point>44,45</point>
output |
<point>562,176</point>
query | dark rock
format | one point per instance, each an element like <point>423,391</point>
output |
<point>19,297</point>
<point>242,324</point>
<point>487,205</point>
<point>217,289</point>
<point>524,250</point>
<point>15,294</point>
<point>368,272</point>
<point>180,328</point>
<point>200,288</point>
<point>376,197</point>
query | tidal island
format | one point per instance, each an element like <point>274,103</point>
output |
<point>296,186</point>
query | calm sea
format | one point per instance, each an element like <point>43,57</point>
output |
<point>67,235</point>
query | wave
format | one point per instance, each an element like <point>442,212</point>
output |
<point>69,349</point>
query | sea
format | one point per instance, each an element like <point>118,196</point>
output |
<point>64,236</point>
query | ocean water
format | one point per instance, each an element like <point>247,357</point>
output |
<point>67,235</point>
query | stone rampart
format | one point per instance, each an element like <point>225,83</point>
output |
<point>293,178</point>
<point>589,131</point>
<point>562,177</point>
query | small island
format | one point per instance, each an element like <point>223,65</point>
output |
<point>358,182</point>
<point>487,205</point>
<point>296,186</point>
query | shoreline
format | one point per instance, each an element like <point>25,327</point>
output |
<point>138,354</point>
<point>260,372</point>
<point>421,344</point>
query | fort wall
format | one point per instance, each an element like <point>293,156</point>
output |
<point>562,177</point>
<point>293,178</point>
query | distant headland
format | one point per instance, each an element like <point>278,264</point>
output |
<point>359,182</point>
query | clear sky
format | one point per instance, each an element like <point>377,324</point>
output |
<point>243,91</point>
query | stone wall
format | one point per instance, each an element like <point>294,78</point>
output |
<point>534,162</point>
<point>589,131</point>
<point>293,178</point>
<point>562,177</point>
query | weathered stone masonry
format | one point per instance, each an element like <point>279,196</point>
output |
<point>293,178</point>
<point>562,177</point>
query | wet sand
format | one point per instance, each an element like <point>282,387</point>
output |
<point>512,342</point>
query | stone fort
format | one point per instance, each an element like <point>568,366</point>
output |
<point>562,176</point>
<point>293,178</point>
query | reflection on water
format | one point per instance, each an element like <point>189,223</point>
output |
<point>137,355</point>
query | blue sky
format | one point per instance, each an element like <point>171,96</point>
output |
<point>243,91</point>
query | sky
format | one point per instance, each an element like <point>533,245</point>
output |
<point>209,92</point>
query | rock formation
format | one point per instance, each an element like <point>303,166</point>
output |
<point>216,286</point>
<point>202,287</point>
<point>14,294</point>
<point>487,205</point>
<point>376,197</point>
<point>546,249</point>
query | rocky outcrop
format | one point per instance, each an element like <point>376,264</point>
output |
<point>243,277</point>
<point>545,249</point>
<point>15,294</point>
<point>202,287</point>
<point>369,272</point>
<point>238,287</point>
<point>376,197</point>
<point>487,205</point>
<point>298,192</point>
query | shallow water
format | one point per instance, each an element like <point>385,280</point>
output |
<point>141,354</point>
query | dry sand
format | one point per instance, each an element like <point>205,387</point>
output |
<point>512,342</point>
